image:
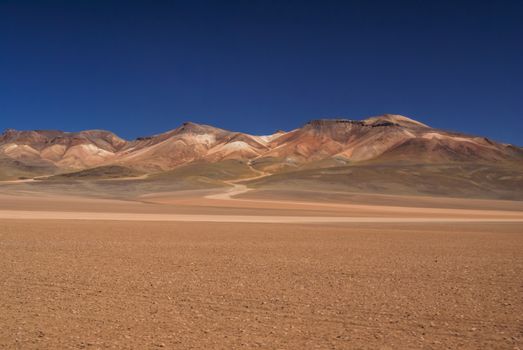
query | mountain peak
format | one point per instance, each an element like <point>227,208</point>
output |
<point>327,123</point>
<point>190,127</point>
<point>395,119</point>
<point>190,124</point>
<point>381,120</point>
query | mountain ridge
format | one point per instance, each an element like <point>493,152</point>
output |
<point>383,138</point>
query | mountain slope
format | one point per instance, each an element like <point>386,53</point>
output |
<point>188,143</point>
<point>388,137</point>
<point>65,150</point>
<point>470,180</point>
<point>318,144</point>
<point>11,169</point>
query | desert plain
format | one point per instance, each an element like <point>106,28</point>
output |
<point>242,175</point>
<point>235,267</point>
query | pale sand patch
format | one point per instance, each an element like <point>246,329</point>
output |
<point>62,215</point>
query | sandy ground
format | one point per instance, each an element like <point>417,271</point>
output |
<point>146,285</point>
<point>245,269</point>
<point>262,219</point>
<point>199,206</point>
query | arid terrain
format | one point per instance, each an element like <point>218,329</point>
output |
<point>381,233</point>
<point>274,175</point>
<point>232,267</point>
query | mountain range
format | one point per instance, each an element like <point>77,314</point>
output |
<point>385,140</point>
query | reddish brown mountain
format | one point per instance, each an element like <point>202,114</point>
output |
<point>319,143</point>
<point>188,143</point>
<point>382,138</point>
<point>64,150</point>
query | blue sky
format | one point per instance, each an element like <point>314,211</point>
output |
<point>143,67</point>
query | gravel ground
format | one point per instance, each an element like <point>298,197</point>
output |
<point>147,285</point>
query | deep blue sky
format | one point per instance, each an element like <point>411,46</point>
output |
<point>143,67</point>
